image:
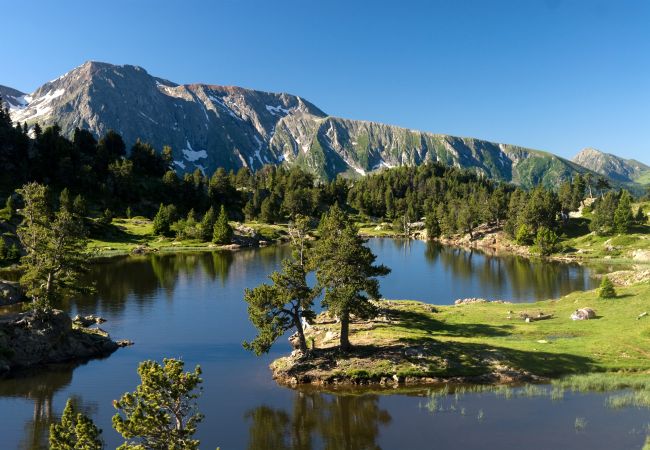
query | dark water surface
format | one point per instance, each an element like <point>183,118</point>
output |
<point>190,306</point>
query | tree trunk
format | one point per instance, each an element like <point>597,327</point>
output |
<point>345,333</point>
<point>48,286</point>
<point>301,333</point>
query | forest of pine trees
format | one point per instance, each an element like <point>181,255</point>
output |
<point>107,180</point>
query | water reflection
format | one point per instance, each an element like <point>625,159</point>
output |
<point>137,279</point>
<point>437,274</point>
<point>40,387</point>
<point>190,305</point>
<point>547,279</point>
<point>319,421</point>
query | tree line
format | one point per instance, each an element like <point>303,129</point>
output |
<point>104,180</point>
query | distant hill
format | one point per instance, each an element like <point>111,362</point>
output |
<point>211,126</point>
<point>612,166</point>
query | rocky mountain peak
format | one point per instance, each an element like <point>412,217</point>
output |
<point>210,126</point>
<point>612,166</point>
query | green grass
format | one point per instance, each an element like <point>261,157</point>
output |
<point>123,235</point>
<point>372,229</point>
<point>269,232</point>
<point>578,241</point>
<point>472,340</point>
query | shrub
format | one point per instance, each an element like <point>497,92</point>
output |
<point>607,289</point>
<point>106,218</point>
<point>546,241</point>
<point>522,236</point>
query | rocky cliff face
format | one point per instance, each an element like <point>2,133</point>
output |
<point>14,98</point>
<point>611,166</point>
<point>211,126</point>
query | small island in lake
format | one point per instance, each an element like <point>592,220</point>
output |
<point>477,342</point>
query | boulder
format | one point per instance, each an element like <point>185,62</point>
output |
<point>11,293</point>
<point>86,321</point>
<point>583,314</point>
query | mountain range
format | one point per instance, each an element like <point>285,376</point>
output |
<point>210,126</point>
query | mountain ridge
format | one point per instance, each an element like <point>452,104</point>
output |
<point>209,126</point>
<point>612,166</point>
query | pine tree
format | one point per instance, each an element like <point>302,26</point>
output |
<point>267,214</point>
<point>274,309</point>
<point>162,221</point>
<point>607,289</point>
<point>162,412</point>
<point>222,233</point>
<point>602,222</point>
<point>55,246</point>
<point>623,217</point>
<point>345,270</point>
<point>206,226</point>
<point>65,202</point>
<point>249,210</point>
<point>432,225</point>
<point>75,431</point>
<point>79,207</point>
<point>10,205</point>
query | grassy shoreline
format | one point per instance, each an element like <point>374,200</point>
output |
<point>126,236</point>
<point>417,343</point>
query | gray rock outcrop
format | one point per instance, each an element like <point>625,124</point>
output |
<point>28,339</point>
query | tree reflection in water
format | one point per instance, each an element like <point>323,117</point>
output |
<point>40,386</point>
<point>326,421</point>
<point>497,272</point>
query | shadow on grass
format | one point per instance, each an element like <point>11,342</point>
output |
<point>463,359</point>
<point>576,227</point>
<point>112,233</point>
<point>421,321</point>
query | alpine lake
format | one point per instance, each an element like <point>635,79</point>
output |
<point>190,306</point>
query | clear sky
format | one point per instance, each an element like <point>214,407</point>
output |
<point>557,75</point>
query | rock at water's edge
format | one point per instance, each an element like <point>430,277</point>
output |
<point>11,293</point>
<point>28,340</point>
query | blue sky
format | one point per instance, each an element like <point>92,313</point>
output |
<point>557,75</point>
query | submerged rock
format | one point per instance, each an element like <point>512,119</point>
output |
<point>30,339</point>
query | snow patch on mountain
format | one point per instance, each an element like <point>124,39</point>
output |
<point>192,155</point>
<point>277,110</point>
<point>37,107</point>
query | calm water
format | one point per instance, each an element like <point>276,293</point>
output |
<point>190,306</point>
